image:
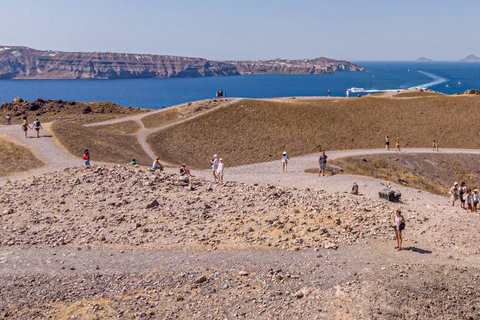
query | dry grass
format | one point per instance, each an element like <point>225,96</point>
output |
<point>127,127</point>
<point>182,112</point>
<point>16,158</point>
<point>257,130</point>
<point>434,173</point>
<point>162,118</point>
<point>417,94</point>
<point>105,145</point>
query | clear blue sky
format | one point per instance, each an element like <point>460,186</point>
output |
<point>248,29</point>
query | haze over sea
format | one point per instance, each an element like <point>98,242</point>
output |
<point>158,93</point>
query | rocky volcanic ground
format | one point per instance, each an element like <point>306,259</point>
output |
<point>119,241</point>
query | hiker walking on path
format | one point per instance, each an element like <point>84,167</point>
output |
<point>157,165</point>
<point>86,158</point>
<point>398,227</point>
<point>397,144</point>
<point>322,161</point>
<point>8,119</point>
<point>387,143</point>
<point>454,193</point>
<point>25,128</point>
<point>214,166</point>
<point>220,168</point>
<point>285,161</point>
<point>37,126</point>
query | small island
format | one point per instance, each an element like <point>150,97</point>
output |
<point>423,59</point>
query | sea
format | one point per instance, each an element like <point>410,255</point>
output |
<point>445,77</point>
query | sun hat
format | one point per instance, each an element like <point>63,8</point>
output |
<point>215,155</point>
<point>455,183</point>
<point>284,152</point>
<point>221,159</point>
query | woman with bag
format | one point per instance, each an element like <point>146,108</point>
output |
<point>398,227</point>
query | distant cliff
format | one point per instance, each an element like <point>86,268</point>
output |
<point>423,59</point>
<point>27,63</point>
<point>470,58</point>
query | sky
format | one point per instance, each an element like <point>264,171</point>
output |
<point>357,30</point>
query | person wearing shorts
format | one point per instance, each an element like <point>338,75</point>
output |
<point>387,143</point>
<point>25,128</point>
<point>157,165</point>
<point>322,161</point>
<point>398,227</point>
<point>37,126</point>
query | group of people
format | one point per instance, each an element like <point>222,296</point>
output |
<point>36,126</point>
<point>220,94</point>
<point>322,163</point>
<point>397,143</point>
<point>467,196</point>
<point>217,166</point>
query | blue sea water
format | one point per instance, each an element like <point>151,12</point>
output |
<point>158,93</point>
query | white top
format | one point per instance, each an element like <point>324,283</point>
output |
<point>214,163</point>
<point>220,167</point>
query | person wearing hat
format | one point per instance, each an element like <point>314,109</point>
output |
<point>214,166</point>
<point>284,161</point>
<point>454,193</point>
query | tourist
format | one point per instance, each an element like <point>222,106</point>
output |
<point>25,128</point>
<point>322,161</point>
<point>434,145</point>
<point>157,165</point>
<point>133,163</point>
<point>474,200</point>
<point>86,158</point>
<point>8,119</point>
<point>387,143</point>
<point>468,199</point>
<point>437,146</point>
<point>37,126</point>
<point>220,170</point>
<point>184,171</point>
<point>454,193</point>
<point>397,144</point>
<point>329,92</point>
<point>398,227</point>
<point>214,166</point>
<point>462,194</point>
<point>285,161</point>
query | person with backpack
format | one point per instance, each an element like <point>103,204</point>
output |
<point>398,226</point>
<point>37,126</point>
<point>86,158</point>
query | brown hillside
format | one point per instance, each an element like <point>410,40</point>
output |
<point>51,110</point>
<point>257,130</point>
<point>106,144</point>
<point>16,158</point>
<point>429,172</point>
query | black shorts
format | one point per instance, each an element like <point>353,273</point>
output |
<point>387,143</point>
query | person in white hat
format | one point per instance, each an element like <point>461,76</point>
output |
<point>220,170</point>
<point>454,193</point>
<point>214,166</point>
<point>284,161</point>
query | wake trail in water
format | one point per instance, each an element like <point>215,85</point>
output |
<point>436,80</point>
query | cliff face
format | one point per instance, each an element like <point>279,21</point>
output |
<point>27,63</point>
<point>307,66</point>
